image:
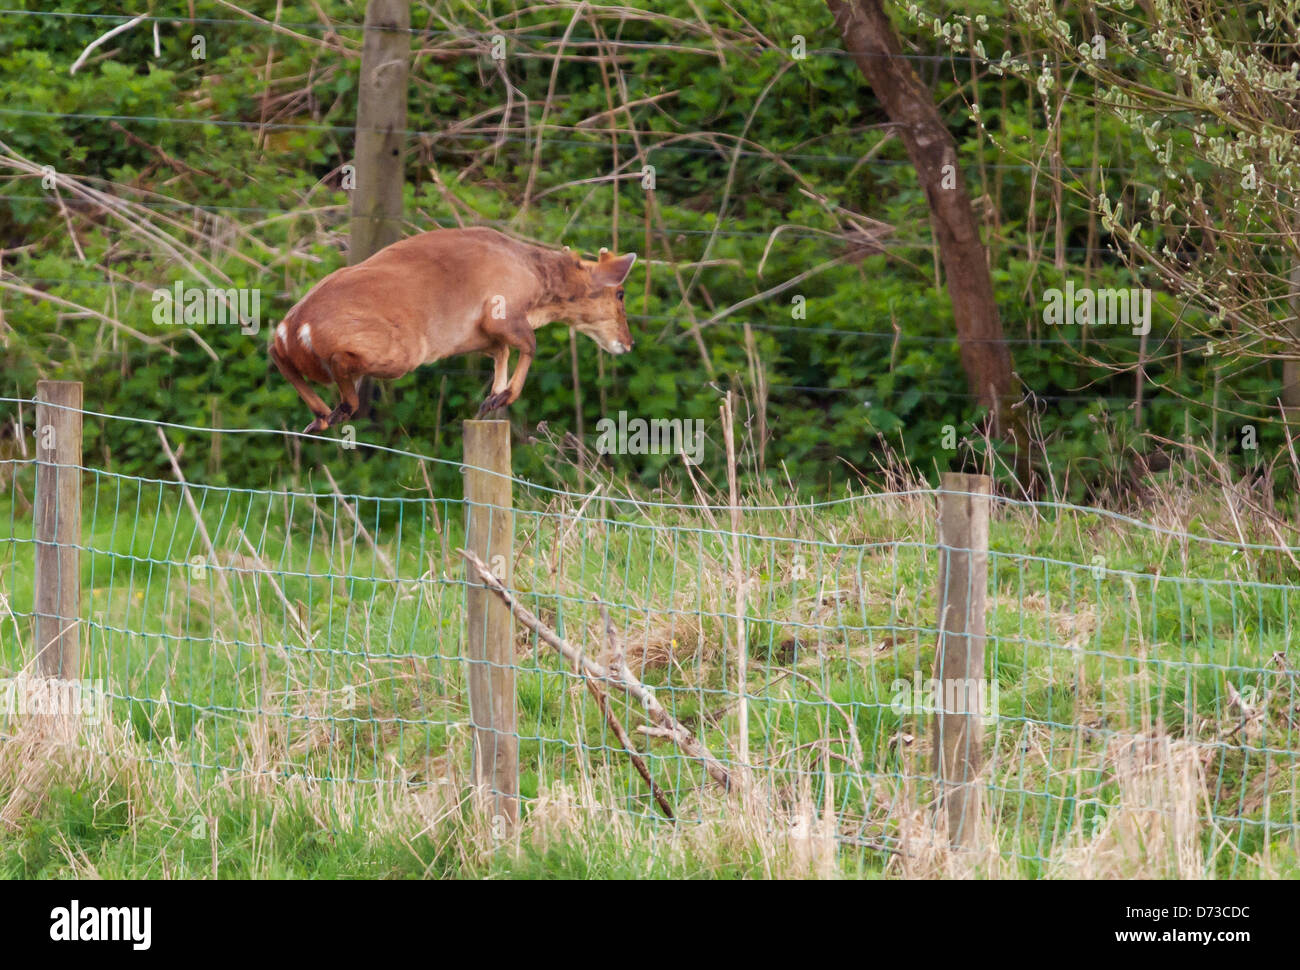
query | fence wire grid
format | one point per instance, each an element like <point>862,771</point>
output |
<point>321,637</point>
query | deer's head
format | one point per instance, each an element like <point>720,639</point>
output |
<point>597,307</point>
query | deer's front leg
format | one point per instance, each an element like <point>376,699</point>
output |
<point>516,385</point>
<point>513,332</point>
<point>500,379</point>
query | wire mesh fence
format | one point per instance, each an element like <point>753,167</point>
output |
<point>320,638</point>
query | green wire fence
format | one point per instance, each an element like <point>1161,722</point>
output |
<point>320,637</point>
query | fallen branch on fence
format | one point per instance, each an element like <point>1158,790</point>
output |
<point>616,675</point>
<point>617,651</point>
<point>654,732</point>
<point>602,699</point>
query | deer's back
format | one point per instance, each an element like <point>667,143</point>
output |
<point>416,301</point>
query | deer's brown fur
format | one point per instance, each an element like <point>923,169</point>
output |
<point>441,294</point>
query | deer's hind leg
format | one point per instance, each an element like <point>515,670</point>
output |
<point>294,377</point>
<point>346,370</point>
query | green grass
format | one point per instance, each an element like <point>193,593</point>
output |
<point>310,704</point>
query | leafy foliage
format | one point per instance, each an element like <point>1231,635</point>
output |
<point>228,167</point>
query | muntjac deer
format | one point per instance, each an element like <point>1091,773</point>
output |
<point>440,294</point>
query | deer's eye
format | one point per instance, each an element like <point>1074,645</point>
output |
<point>619,295</point>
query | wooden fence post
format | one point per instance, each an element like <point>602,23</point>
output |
<point>489,533</point>
<point>381,129</point>
<point>959,657</point>
<point>379,148</point>
<point>57,516</point>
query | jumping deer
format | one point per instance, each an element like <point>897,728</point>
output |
<point>438,295</point>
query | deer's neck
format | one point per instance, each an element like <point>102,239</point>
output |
<point>559,288</point>
<point>543,313</point>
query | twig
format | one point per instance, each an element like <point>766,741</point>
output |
<point>617,727</point>
<point>340,45</point>
<point>654,732</point>
<point>774,290</point>
<point>433,499</point>
<point>869,844</point>
<point>174,162</point>
<point>119,29</point>
<point>742,646</point>
<point>67,221</point>
<point>592,120</point>
<point>714,715</point>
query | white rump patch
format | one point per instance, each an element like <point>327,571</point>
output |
<point>304,335</point>
<point>280,333</point>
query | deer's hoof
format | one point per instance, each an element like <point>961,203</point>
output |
<point>494,402</point>
<point>320,424</point>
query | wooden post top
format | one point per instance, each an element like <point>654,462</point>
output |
<point>965,482</point>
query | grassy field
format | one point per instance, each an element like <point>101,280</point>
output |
<point>288,692</point>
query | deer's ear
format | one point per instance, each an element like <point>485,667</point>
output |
<point>612,270</point>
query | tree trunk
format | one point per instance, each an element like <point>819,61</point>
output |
<point>871,40</point>
<point>381,129</point>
